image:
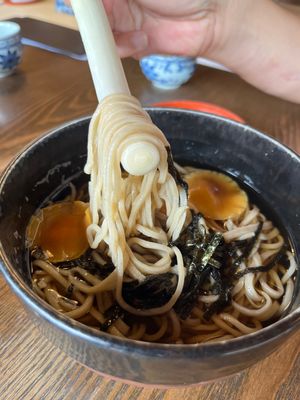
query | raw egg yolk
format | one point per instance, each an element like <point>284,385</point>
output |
<point>215,195</point>
<point>60,230</point>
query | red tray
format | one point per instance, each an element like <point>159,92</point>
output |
<point>200,106</point>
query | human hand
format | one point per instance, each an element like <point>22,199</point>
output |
<point>186,27</point>
<point>257,39</point>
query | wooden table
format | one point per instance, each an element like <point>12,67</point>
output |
<point>50,89</point>
<point>43,10</point>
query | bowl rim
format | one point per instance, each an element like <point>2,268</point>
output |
<point>100,339</point>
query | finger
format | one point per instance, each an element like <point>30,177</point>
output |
<point>130,43</point>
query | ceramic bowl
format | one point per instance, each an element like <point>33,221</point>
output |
<point>10,47</point>
<point>263,165</point>
<point>167,72</point>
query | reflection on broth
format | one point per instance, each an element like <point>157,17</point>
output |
<point>215,195</point>
<point>60,230</point>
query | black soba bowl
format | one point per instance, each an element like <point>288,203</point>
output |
<point>271,174</point>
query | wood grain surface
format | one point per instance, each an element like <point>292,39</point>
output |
<point>48,90</point>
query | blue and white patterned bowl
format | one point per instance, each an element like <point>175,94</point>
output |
<point>10,47</point>
<point>168,72</point>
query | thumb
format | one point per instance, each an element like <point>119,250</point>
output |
<point>129,43</point>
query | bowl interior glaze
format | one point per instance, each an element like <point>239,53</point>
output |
<point>270,173</point>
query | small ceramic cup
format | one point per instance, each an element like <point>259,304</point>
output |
<point>10,47</point>
<point>168,72</point>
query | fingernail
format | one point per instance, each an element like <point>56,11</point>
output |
<point>139,40</point>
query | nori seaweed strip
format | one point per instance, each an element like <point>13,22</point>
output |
<point>263,268</point>
<point>213,244</point>
<point>154,291</point>
<point>190,293</point>
<point>247,249</point>
<point>112,314</point>
<point>86,262</point>
<point>222,287</point>
<point>223,284</point>
<point>194,234</point>
<point>218,306</point>
<point>173,171</point>
<point>197,272</point>
<point>38,253</point>
<point>214,263</point>
<point>70,290</point>
<point>104,270</point>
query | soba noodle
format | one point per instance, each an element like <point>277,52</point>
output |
<point>134,220</point>
<point>123,208</point>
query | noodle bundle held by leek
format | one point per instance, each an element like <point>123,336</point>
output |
<point>176,255</point>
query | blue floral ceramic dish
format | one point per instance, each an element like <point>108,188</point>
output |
<point>10,47</point>
<point>167,72</point>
